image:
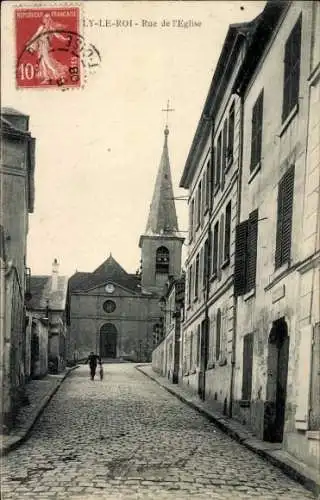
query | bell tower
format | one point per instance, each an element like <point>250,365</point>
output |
<point>161,243</point>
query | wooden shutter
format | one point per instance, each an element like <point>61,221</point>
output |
<point>205,263</point>
<point>247,366</point>
<point>252,250</point>
<point>291,82</point>
<point>284,218</point>
<point>315,381</point>
<point>218,160</point>
<point>240,258</point>
<point>212,173</point>
<point>215,248</point>
<point>304,378</point>
<point>224,152</point>
<point>220,247</point>
<point>218,334</point>
<point>227,234</point>
<point>230,134</point>
<point>256,131</point>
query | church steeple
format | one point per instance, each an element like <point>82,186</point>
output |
<point>162,216</point>
<point>161,244</point>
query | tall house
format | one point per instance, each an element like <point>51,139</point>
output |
<point>277,240</point>
<point>161,244</point>
<point>16,202</point>
<point>211,175</point>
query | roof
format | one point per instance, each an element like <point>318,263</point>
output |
<point>265,26</point>
<point>234,40</point>
<point>37,286</point>
<point>162,215</point>
<point>109,270</point>
<point>40,288</point>
<point>8,110</point>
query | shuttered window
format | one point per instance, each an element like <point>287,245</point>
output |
<point>227,233</point>
<point>284,218</point>
<point>199,204</point>
<point>190,285</point>
<point>191,217</point>
<point>218,334</point>
<point>224,152</point>
<point>247,366</point>
<point>230,136</point>
<point>240,258</point>
<point>196,278</point>
<point>315,381</point>
<point>207,186</point>
<point>252,250</point>
<point>292,55</point>
<point>256,132</point>
<point>212,173</point>
<point>246,254</point>
<point>205,262</point>
<point>218,160</point>
<point>215,249</point>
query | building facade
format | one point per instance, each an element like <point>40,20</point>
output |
<point>115,313</point>
<point>211,175</point>
<point>166,356</point>
<point>16,202</point>
<point>277,240</point>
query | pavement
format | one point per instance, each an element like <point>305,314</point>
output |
<point>273,452</point>
<point>127,437</point>
<point>39,393</point>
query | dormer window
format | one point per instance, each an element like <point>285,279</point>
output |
<point>162,260</point>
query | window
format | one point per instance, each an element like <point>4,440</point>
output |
<point>227,233</point>
<point>218,161</point>
<point>215,249</point>
<point>230,136</point>
<point>198,344</point>
<point>109,306</point>
<point>247,366</point>
<point>191,220</point>
<point>199,203</point>
<point>246,254</point>
<point>225,146</point>
<point>218,334</point>
<point>190,285</point>
<point>207,186</point>
<point>205,262</point>
<point>256,132</point>
<point>212,173</point>
<point>196,278</point>
<point>162,260</point>
<point>292,53</point>
<point>315,380</point>
<point>284,218</point>
<point>191,351</point>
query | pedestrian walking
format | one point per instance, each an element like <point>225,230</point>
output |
<point>101,370</point>
<point>93,360</point>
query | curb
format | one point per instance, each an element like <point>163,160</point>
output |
<point>21,438</point>
<point>222,424</point>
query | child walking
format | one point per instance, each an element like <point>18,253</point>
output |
<point>101,370</point>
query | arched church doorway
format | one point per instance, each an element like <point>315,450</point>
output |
<point>108,341</point>
<point>278,358</point>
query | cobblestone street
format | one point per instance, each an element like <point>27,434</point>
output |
<point>126,437</point>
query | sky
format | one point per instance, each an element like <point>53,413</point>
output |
<point>98,148</point>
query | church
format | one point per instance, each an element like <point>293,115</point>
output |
<point>115,313</point>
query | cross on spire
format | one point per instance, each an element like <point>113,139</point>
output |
<point>167,110</point>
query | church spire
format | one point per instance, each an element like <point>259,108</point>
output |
<point>162,218</point>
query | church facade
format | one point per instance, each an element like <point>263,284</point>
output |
<point>115,313</point>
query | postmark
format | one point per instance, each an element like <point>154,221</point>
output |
<point>50,51</point>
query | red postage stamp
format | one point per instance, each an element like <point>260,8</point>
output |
<point>48,47</point>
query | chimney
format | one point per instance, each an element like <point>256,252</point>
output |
<point>55,273</point>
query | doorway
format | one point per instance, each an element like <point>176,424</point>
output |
<point>278,359</point>
<point>108,341</point>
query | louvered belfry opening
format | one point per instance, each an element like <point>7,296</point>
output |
<point>162,260</point>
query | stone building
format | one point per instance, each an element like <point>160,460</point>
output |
<point>166,356</point>
<point>48,322</point>
<point>276,387</point>
<point>211,174</point>
<point>114,312</point>
<point>16,202</point>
